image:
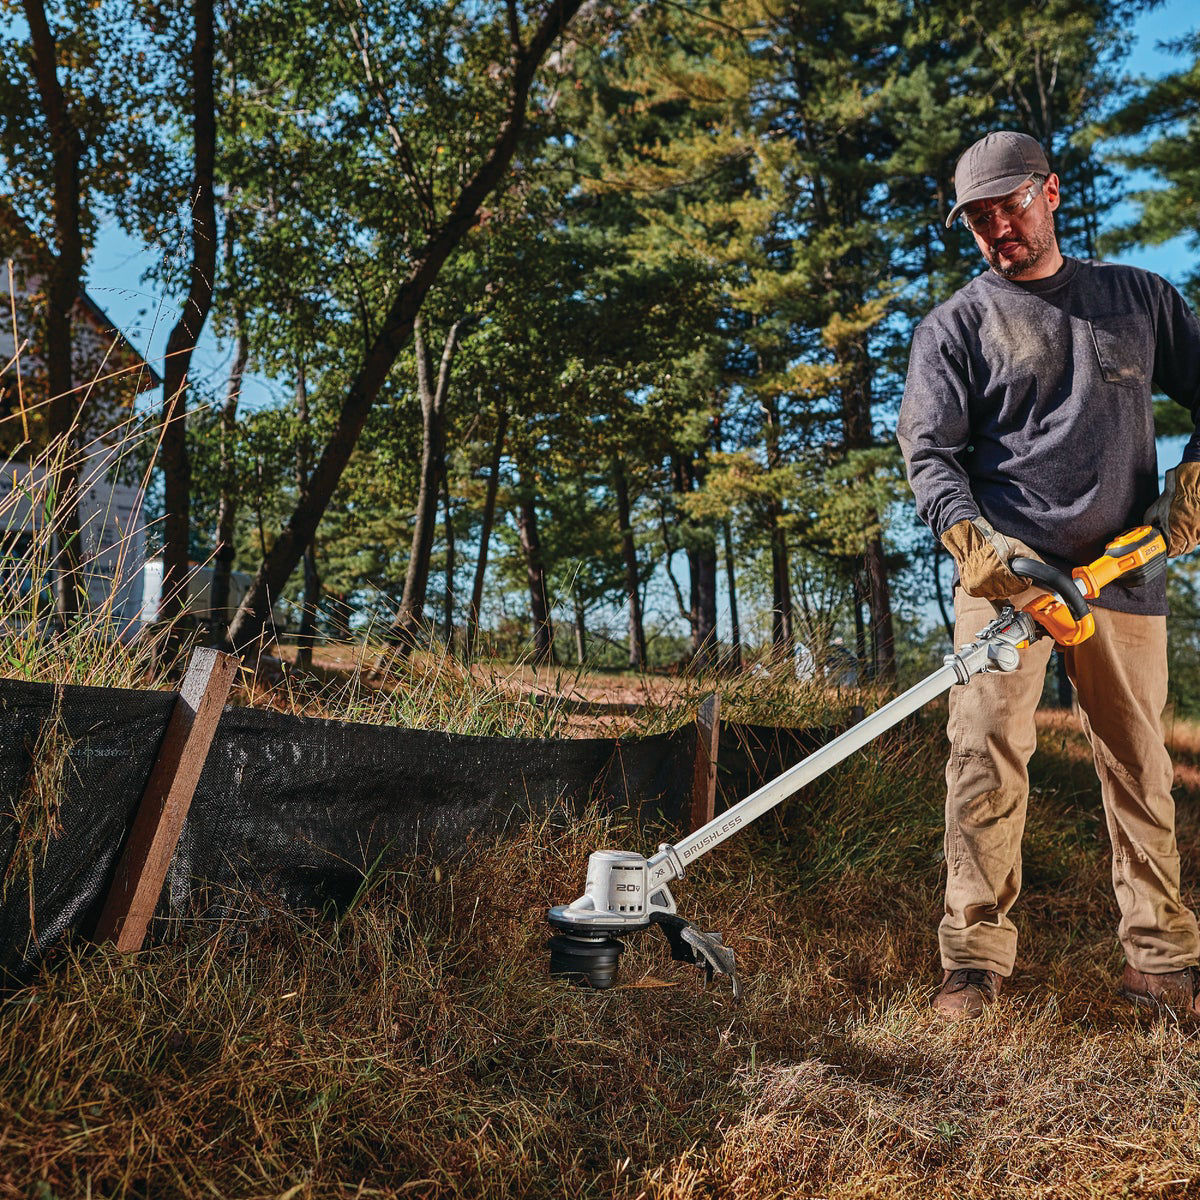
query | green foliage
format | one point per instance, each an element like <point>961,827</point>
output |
<point>1169,110</point>
<point>1171,419</point>
<point>723,219</point>
<point>116,94</point>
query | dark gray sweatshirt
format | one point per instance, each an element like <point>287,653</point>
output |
<point>1030,403</point>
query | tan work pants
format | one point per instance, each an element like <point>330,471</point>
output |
<point>1120,679</point>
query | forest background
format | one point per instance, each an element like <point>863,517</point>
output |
<point>564,318</point>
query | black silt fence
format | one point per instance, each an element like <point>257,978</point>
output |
<point>292,807</point>
<point>750,755</point>
<point>300,809</point>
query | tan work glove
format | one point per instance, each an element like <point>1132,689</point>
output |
<point>982,556</point>
<point>1177,511</point>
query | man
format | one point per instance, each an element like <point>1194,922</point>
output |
<point>1026,426</point>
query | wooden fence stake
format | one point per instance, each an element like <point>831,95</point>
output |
<point>142,869</point>
<point>704,775</point>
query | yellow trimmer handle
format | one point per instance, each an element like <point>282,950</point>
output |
<point>1135,558</point>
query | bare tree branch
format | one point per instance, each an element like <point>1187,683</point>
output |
<point>514,29</point>
<point>422,190</point>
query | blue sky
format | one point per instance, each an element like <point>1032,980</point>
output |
<point>140,311</point>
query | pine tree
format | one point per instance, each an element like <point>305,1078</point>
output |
<point>1169,109</point>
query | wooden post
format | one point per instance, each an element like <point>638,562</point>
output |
<point>704,775</point>
<point>142,869</point>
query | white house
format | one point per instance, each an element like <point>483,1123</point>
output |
<point>112,538</point>
<point>109,374</point>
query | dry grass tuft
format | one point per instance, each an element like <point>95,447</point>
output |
<point>416,1047</point>
<point>36,811</point>
<point>423,691</point>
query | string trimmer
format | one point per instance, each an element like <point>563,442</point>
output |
<point>626,893</point>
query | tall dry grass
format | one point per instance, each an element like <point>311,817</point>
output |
<point>96,647</point>
<point>433,690</point>
<point>416,1046</point>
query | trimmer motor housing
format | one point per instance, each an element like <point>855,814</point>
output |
<point>621,897</point>
<point>614,901</point>
<point>616,893</point>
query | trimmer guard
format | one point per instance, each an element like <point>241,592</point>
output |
<point>704,950</point>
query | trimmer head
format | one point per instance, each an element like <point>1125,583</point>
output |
<point>622,899</point>
<point>589,957</point>
<point>587,954</point>
<point>586,961</point>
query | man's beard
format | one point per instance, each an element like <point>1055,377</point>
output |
<point>1039,243</point>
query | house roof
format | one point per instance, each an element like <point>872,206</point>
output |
<point>99,319</point>
<point>148,377</point>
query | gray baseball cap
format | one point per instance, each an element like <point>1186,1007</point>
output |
<point>994,166</point>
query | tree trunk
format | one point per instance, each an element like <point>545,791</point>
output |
<point>307,635</point>
<point>939,591</point>
<point>637,630</point>
<point>702,560</point>
<point>406,628</point>
<point>535,570</point>
<point>580,627</point>
<point>485,537</point>
<point>448,606</point>
<point>669,548</point>
<point>184,336</point>
<point>883,638</point>
<point>854,357</point>
<point>860,629</point>
<point>702,572</point>
<point>227,488</point>
<point>396,328</point>
<point>735,652</point>
<point>66,271</point>
<point>783,630</point>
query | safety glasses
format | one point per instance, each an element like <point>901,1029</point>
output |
<point>1010,209</point>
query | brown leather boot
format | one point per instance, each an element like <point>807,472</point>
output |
<point>965,991</point>
<point>1178,991</point>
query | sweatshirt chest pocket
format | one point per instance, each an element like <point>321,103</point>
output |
<point>1123,349</point>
